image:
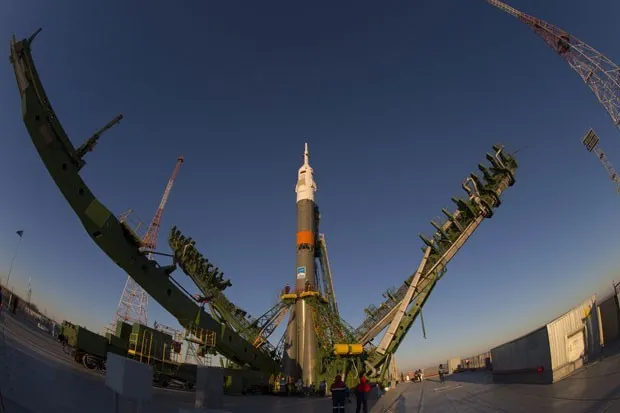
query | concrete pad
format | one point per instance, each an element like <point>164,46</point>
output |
<point>129,378</point>
<point>203,411</point>
<point>209,387</point>
<point>588,390</point>
<point>36,376</point>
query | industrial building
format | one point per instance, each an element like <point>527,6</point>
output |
<point>553,351</point>
<point>477,362</point>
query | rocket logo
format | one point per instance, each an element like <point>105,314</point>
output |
<point>301,273</point>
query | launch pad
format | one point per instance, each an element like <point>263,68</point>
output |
<point>317,344</point>
<point>38,377</point>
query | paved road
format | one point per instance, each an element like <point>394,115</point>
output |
<point>36,376</point>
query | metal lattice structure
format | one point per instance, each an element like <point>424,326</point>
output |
<point>326,275</point>
<point>177,340</point>
<point>591,141</point>
<point>149,242</point>
<point>450,236</point>
<point>227,328</point>
<point>211,283</point>
<point>598,72</point>
<point>133,303</point>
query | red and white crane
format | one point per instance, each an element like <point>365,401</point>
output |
<point>597,71</point>
<point>133,304</point>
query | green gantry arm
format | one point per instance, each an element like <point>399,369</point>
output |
<point>63,163</point>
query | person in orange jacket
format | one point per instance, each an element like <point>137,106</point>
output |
<point>361,394</point>
<point>339,394</point>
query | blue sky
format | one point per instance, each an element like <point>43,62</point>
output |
<point>398,105</point>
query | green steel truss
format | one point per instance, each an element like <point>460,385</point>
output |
<point>484,195</point>
<point>211,283</point>
<point>236,333</point>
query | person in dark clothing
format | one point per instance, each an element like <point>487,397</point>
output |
<point>322,388</point>
<point>339,394</point>
<point>441,373</point>
<point>361,394</point>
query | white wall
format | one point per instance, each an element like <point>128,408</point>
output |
<point>528,352</point>
<point>567,325</point>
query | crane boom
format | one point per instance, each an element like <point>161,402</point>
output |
<point>150,238</point>
<point>598,72</point>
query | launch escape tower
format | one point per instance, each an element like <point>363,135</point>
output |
<point>317,343</point>
<point>133,304</point>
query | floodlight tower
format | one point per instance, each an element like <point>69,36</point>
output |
<point>590,141</point>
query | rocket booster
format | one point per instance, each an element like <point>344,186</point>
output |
<point>300,357</point>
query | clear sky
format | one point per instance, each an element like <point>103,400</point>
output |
<point>398,102</point>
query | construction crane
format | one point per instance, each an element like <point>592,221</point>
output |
<point>598,72</point>
<point>590,141</point>
<point>133,303</point>
<point>149,242</point>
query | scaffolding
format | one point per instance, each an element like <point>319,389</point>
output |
<point>199,346</point>
<point>174,349</point>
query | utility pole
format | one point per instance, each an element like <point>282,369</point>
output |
<point>29,294</point>
<point>8,277</point>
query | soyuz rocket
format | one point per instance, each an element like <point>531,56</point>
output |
<point>300,355</point>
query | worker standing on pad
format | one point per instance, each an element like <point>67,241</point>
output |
<point>361,394</point>
<point>339,394</point>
